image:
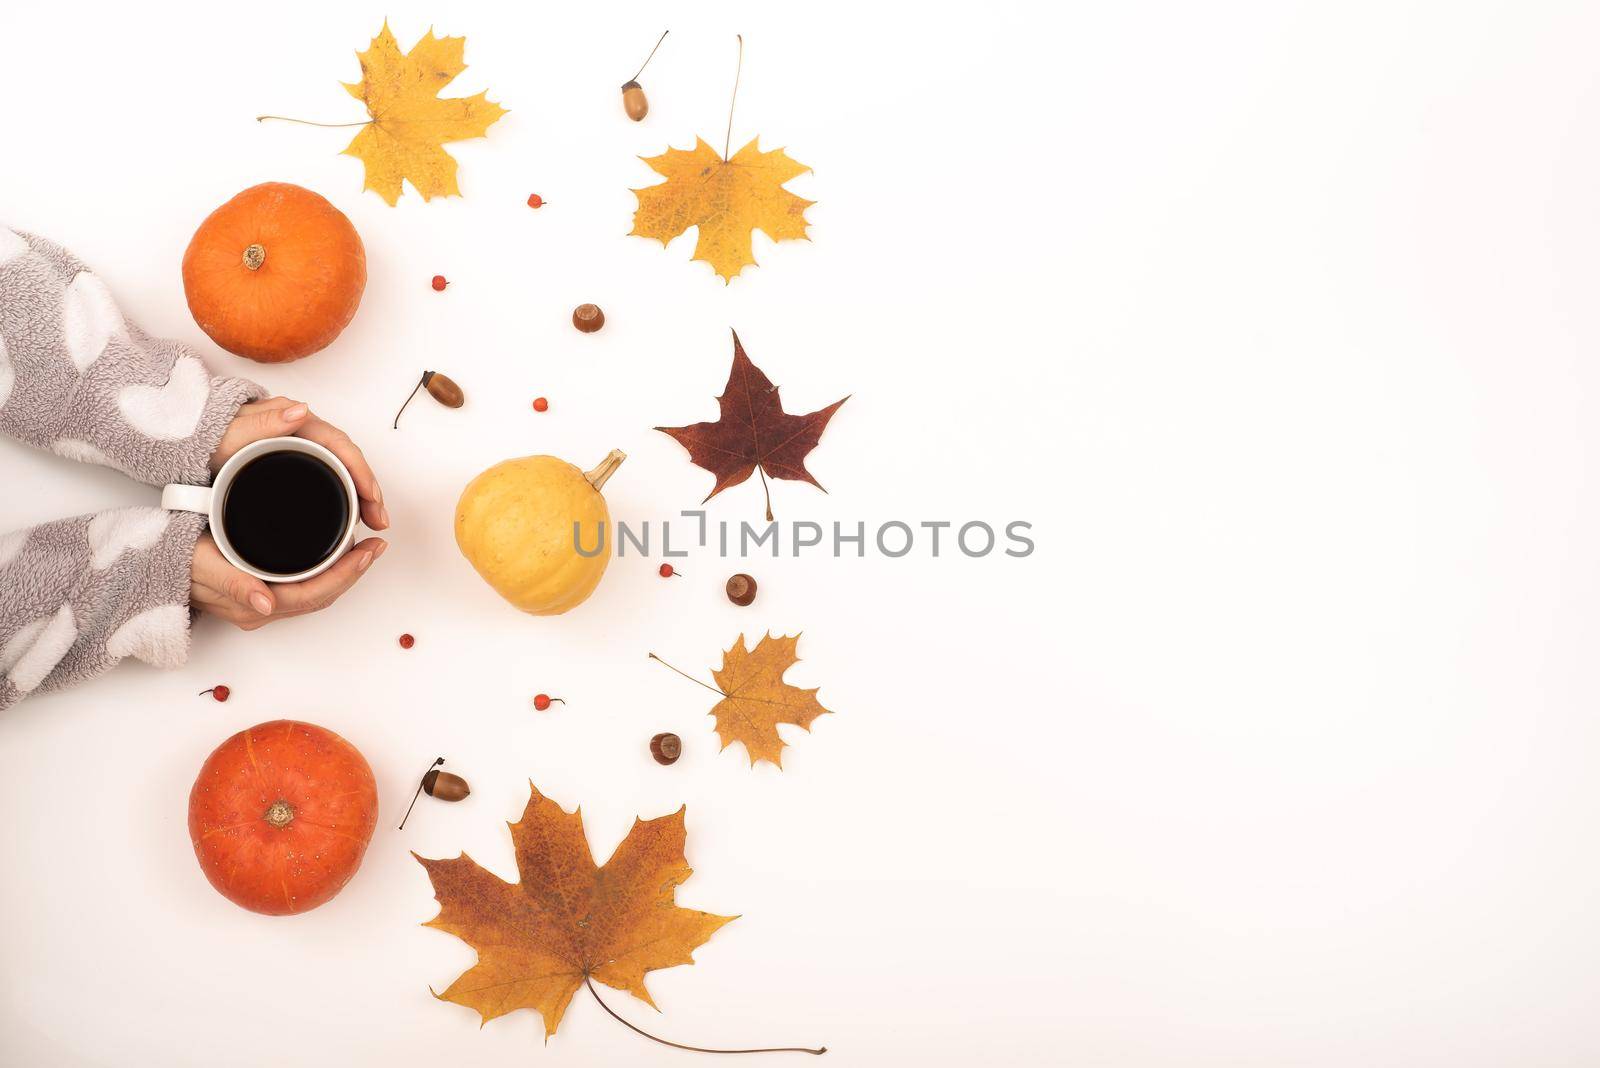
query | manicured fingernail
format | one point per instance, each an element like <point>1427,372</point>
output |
<point>383,547</point>
<point>366,558</point>
<point>296,413</point>
<point>377,493</point>
<point>383,514</point>
<point>261,603</point>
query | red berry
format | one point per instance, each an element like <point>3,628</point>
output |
<point>666,571</point>
<point>540,404</point>
<point>218,693</point>
<point>542,701</point>
<point>407,641</point>
<point>439,283</point>
<point>535,200</point>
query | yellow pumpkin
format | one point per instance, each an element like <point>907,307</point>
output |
<point>514,524</point>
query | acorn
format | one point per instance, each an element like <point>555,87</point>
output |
<point>445,786</point>
<point>440,387</point>
<point>633,98</point>
<point>438,784</point>
<point>741,590</point>
<point>634,101</point>
<point>443,389</point>
<point>666,748</point>
<point>588,318</point>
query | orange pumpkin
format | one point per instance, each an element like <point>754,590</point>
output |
<point>281,815</point>
<point>274,274</point>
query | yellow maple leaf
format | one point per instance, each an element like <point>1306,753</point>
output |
<point>567,921</point>
<point>726,199</point>
<point>756,699</point>
<point>410,121</point>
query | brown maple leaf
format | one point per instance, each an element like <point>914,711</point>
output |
<point>753,432</point>
<point>755,699</point>
<point>567,921</point>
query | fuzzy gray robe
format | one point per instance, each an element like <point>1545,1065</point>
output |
<point>77,595</point>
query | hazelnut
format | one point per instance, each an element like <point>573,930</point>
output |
<point>741,590</point>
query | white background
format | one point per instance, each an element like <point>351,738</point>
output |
<point>1275,319</point>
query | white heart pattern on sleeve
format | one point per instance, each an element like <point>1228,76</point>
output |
<point>37,648</point>
<point>113,533</point>
<point>159,636</point>
<point>89,319</point>
<point>81,451</point>
<point>170,412</point>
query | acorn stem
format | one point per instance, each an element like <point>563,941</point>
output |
<point>694,1049</point>
<point>605,468</point>
<point>648,58</point>
<point>416,795</point>
<point>420,383</point>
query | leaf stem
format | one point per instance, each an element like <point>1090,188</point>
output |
<point>727,142</point>
<point>691,678</point>
<point>694,1049</point>
<point>765,489</point>
<point>651,56</point>
<point>308,122</point>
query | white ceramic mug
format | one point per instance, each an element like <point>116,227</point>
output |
<point>208,501</point>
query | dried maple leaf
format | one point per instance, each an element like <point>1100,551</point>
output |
<point>726,198</point>
<point>410,122</point>
<point>755,699</point>
<point>540,939</point>
<point>753,432</point>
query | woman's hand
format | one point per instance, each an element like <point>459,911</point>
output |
<point>218,587</point>
<point>280,417</point>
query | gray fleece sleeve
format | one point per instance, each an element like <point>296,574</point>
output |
<point>76,378</point>
<point>78,595</point>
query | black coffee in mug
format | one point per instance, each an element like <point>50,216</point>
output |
<point>285,512</point>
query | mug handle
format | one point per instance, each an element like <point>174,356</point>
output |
<point>180,498</point>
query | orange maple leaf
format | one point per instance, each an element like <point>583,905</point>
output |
<point>756,699</point>
<point>567,921</point>
<point>726,199</point>
<point>410,121</point>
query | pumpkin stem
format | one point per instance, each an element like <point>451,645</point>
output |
<point>694,1049</point>
<point>606,468</point>
<point>254,257</point>
<point>280,814</point>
